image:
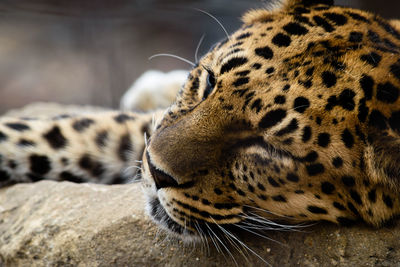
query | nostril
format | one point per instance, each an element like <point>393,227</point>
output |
<point>160,178</point>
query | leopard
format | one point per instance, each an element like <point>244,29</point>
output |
<point>294,118</point>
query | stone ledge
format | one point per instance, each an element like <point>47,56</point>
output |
<point>66,224</point>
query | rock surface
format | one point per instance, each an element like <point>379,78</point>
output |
<point>66,224</point>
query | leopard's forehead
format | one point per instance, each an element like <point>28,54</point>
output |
<point>324,47</point>
<point>275,39</point>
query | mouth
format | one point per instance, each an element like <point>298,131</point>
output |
<point>251,223</point>
<point>161,217</point>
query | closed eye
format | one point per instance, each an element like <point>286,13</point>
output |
<point>210,84</point>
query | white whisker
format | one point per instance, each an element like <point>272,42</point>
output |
<point>269,212</point>
<point>173,56</point>
<point>263,220</point>
<point>215,244</point>
<point>264,210</point>
<point>132,167</point>
<point>200,233</point>
<point>197,48</point>
<point>260,235</point>
<point>302,106</point>
<point>290,226</point>
<point>135,179</point>
<point>145,139</point>
<point>226,237</point>
<point>214,18</point>
<point>252,251</point>
<point>222,243</point>
<point>153,121</point>
<point>256,226</point>
<point>232,241</point>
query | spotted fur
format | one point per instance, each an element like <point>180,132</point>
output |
<point>98,148</point>
<point>295,117</point>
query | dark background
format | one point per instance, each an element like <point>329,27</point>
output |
<point>90,51</point>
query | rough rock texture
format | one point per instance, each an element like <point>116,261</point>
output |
<point>66,224</point>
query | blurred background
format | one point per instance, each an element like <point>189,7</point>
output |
<point>90,51</point>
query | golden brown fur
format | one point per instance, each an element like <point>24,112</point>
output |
<point>348,167</point>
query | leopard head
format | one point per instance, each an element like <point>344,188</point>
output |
<point>295,117</point>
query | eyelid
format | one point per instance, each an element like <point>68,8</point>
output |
<point>210,82</point>
<point>209,71</point>
<point>211,79</point>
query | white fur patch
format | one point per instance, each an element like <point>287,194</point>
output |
<point>153,89</point>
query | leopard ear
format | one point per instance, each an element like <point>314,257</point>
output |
<point>280,5</point>
<point>382,155</point>
<point>289,4</point>
<point>395,23</point>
